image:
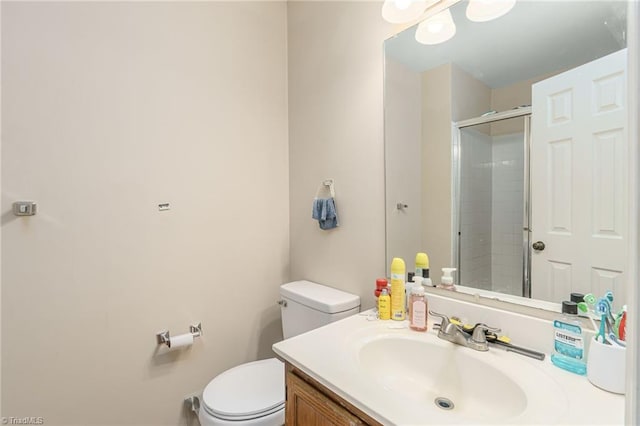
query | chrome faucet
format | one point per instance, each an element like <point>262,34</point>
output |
<point>454,334</point>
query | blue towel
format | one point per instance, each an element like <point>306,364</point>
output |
<point>324,211</point>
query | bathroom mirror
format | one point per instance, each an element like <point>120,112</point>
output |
<point>479,84</point>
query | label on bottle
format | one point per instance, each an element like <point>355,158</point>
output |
<point>568,340</point>
<point>384,307</point>
<point>418,314</point>
<point>397,299</point>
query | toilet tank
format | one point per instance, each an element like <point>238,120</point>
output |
<point>306,305</point>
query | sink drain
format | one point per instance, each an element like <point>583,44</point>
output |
<point>444,403</point>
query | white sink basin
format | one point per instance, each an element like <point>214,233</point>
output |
<point>395,375</point>
<point>458,383</point>
<point>424,371</point>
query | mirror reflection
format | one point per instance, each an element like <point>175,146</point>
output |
<point>491,206</point>
<point>504,149</point>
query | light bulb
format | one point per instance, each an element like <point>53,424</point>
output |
<point>403,4</point>
<point>437,29</point>
<point>401,11</point>
<point>486,10</point>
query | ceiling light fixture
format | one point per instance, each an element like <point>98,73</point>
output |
<point>486,10</point>
<point>437,29</point>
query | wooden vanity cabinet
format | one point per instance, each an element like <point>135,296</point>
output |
<point>311,404</point>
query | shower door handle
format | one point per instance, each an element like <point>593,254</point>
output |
<point>538,246</point>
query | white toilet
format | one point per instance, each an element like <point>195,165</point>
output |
<point>253,394</point>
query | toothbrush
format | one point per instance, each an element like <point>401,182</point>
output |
<point>609,315</point>
<point>617,329</point>
<point>622,329</point>
<point>609,328</point>
<point>584,309</point>
<point>609,298</point>
<point>619,342</point>
<point>601,309</point>
<point>590,299</point>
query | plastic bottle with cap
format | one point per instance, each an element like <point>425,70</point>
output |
<point>398,298</point>
<point>568,341</point>
<point>384,305</point>
<point>422,265</point>
<point>415,281</point>
<point>426,281</point>
<point>410,276</point>
<point>418,312</point>
<point>446,282</point>
<point>381,283</point>
<point>577,297</point>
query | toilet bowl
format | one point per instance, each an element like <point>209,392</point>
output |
<point>253,394</point>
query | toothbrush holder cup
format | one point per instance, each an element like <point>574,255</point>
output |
<point>606,366</point>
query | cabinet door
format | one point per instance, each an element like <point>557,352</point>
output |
<point>306,406</point>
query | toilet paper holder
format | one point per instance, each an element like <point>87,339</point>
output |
<point>164,338</point>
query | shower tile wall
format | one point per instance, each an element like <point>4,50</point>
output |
<point>507,212</point>
<point>475,209</point>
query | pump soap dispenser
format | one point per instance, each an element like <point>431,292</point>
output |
<point>447,280</point>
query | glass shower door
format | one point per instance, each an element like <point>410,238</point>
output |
<point>492,222</point>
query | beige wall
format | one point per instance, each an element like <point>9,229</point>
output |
<point>403,161</point>
<point>336,131</point>
<point>436,172</point>
<point>1,411</point>
<point>109,109</point>
<point>509,97</point>
<point>470,97</point>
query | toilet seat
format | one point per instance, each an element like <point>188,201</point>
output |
<point>246,392</point>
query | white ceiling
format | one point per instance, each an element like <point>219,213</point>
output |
<point>535,38</point>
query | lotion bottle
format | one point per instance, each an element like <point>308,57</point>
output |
<point>447,280</point>
<point>384,305</point>
<point>397,289</point>
<point>418,312</point>
<point>416,282</point>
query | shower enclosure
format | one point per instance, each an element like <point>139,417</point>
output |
<point>491,202</point>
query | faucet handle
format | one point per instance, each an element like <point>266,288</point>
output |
<point>479,335</point>
<point>445,319</point>
<point>446,326</point>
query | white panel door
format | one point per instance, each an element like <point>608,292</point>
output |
<point>579,180</point>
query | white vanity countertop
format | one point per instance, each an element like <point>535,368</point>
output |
<point>331,355</point>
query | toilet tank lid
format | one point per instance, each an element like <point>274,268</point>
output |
<point>319,297</point>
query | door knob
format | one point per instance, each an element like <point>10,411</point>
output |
<point>538,246</point>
